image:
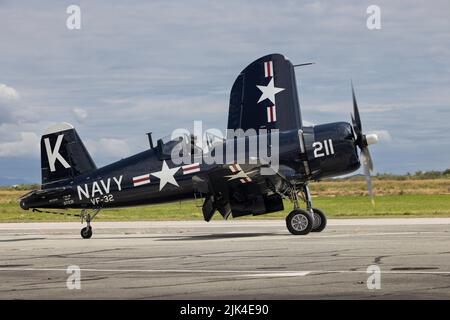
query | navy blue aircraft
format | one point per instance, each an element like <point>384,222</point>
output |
<point>263,99</point>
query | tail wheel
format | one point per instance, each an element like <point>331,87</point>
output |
<point>299,222</point>
<point>320,221</point>
<point>86,232</point>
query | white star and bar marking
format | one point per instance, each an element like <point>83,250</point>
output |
<point>238,173</point>
<point>166,175</point>
<point>268,69</point>
<point>191,168</point>
<point>269,91</point>
<point>141,180</point>
<point>271,114</point>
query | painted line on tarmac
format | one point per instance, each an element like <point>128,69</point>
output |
<point>394,233</point>
<point>277,275</point>
<point>144,270</point>
<point>244,273</point>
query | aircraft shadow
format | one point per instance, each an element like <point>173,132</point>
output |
<point>217,236</point>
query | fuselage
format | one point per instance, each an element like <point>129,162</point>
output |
<point>310,154</point>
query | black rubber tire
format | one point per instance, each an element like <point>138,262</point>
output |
<point>323,221</point>
<point>294,217</point>
<point>86,232</point>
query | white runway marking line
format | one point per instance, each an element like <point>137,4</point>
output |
<point>243,273</point>
<point>375,234</point>
<point>277,275</point>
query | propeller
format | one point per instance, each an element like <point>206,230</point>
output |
<point>363,141</point>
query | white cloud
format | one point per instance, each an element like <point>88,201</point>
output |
<point>80,114</point>
<point>8,93</point>
<point>114,147</point>
<point>12,109</point>
<point>8,103</point>
<point>27,145</point>
<point>109,148</point>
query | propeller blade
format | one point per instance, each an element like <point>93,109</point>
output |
<point>368,168</point>
<point>354,124</point>
<point>362,141</point>
<point>357,120</point>
<point>367,158</point>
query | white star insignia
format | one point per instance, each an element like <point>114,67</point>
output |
<point>166,175</point>
<point>269,91</point>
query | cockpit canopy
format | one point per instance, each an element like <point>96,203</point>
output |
<point>183,142</point>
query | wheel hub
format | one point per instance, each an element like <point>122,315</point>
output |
<point>299,222</point>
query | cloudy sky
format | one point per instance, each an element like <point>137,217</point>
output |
<point>139,66</point>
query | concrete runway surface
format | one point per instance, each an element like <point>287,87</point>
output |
<point>237,259</point>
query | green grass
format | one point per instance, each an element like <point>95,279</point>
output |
<point>353,206</point>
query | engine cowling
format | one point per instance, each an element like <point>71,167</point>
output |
<point>331,149</point>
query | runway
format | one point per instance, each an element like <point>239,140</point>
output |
<point>240,259</point>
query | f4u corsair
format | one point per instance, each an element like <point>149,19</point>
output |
<point>263,96</point>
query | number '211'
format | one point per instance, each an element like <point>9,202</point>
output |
<point>319,147</point>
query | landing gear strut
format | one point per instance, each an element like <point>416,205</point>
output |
<point>86,232</point>
<point>301,222</point>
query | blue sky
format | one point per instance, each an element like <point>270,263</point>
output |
<point>140,66</point>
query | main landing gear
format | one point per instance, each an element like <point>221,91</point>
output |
<point>86,232</point>
<point>301,222</point>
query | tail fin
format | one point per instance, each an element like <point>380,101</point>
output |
<point>264,95</point>
<point>63,155</point>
